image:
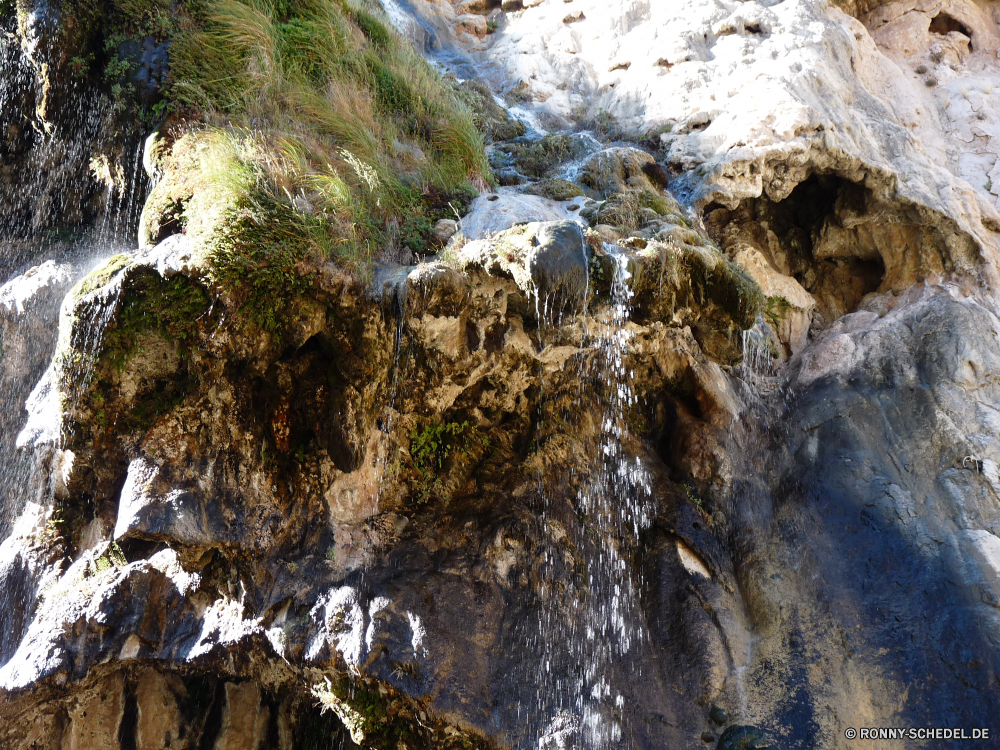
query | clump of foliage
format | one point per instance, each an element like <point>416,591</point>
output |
<point>557,190</point>
<point>433,444</point>
<point>322,136</point>
<point>490,118</point>
<point>776,308</point>
<point>372,716</point>
<point>104,40</point>
<point>112,557</point>
<point>538,158</point>
<point>170,307</point>
<point>348,118</point>
<point>624,210</point>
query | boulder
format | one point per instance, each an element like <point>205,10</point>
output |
<point>560,261</point>
<point>615,169</point>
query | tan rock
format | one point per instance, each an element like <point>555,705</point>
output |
<point>445,229</point>
<point>608,233</point>
<point>244,719</point>
<point>793,328</point>
<point>95,717</point>
<point>471,23</point>
<point>615,169</point>
<point>160,721</point>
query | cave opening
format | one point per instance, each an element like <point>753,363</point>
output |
<point>944,24</point>
<point>824,235</point>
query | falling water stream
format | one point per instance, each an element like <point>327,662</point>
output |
<point>588,625</point>
<point>40,262</point>
<point>590,622</point>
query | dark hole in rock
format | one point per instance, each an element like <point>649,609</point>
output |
<point>944,24</point>
<point>753,28</point>
<point>656,174</point>
<point>213,721</point>
<point>824,235</point>
<point>135,549</point>
<point>471,336</point>
<point>129,721</point>
<point>493,341</point>
<point>300,401</point>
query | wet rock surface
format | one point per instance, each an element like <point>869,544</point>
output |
<point>621,466</point>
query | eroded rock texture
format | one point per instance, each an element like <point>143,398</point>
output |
<point>686,436</point>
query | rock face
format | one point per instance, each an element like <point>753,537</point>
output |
<point>690,442</point>
<point>70,132</point>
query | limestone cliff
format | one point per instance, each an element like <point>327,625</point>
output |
<point>629,383</point>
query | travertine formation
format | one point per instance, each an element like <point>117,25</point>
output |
<point>687,436</point>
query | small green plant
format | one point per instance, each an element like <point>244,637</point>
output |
<point>693,497</point>
<point>333,698</point>
<point>989,185</point>
<point>776,309</point>
<point>292,568</point>
<point>431,446</point>
<point>51,531</point>
<point>112,558</point>
<point>596,270</point>
<point>79,66</point>
<point>492,25</point>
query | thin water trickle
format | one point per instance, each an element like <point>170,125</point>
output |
<point>34,247</point>
<point>590,625</point>
<point>397,371</point>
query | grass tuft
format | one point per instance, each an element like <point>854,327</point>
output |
<point>321,134</point>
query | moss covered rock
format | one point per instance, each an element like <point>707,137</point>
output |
<point>492,120</point>
<point>557,190</point>
<point>540,158</point>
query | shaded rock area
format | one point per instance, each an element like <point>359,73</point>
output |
<point>685,436</point>
<point>285,540</point>
<point>70,130</point>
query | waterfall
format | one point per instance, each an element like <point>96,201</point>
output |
<point>79,205</point>
<point>589,624</point>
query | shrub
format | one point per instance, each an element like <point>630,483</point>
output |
<point>321,134</point>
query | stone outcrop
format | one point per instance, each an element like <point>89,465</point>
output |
<point>219,508</point>
<point>685,437</point>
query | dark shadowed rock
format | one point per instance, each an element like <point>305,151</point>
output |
<point>744,738</point>
<point>559,263</point>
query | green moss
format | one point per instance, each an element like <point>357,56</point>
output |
<point>557,190</point>
<point>150,304</point>
<point>151,308</point>
<point>716,279</point>
<point>490,118</point>
<point>256,257</point>
<point>538,158</point>
<point>654,201</point>
<point>101,277</point>
<point>736,293</point>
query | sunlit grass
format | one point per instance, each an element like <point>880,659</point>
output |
<point>312,114</point>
